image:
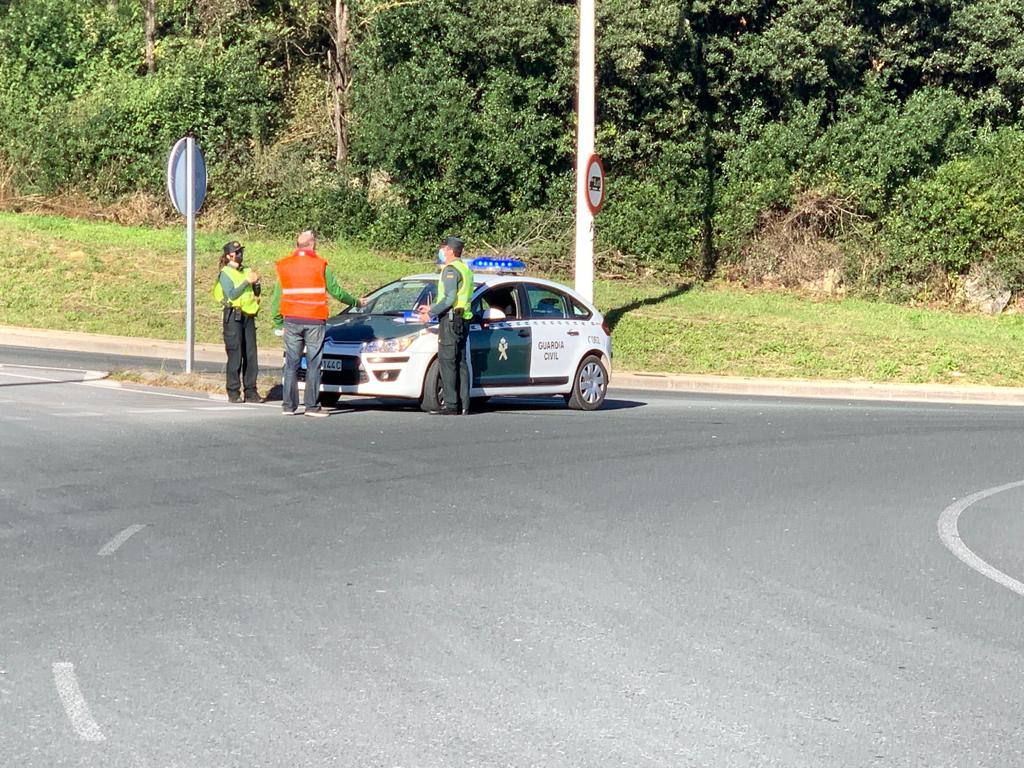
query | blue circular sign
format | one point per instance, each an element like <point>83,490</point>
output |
<point>177,176</point>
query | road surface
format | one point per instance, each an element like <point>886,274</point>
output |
<point>672,581</point>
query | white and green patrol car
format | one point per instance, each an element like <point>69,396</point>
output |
<point>528,337</point>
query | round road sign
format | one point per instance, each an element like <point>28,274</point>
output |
<point>595,184</point>
<point>177,176</point>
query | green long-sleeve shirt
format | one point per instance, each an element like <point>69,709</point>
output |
<point>332,288</point>
<point>450,279</point>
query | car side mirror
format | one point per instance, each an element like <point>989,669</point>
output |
<point>493,315</point>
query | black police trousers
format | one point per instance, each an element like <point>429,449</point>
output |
<point>451,359</point>
<point>243,359</point>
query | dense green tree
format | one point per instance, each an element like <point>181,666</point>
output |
<point>395,120</point>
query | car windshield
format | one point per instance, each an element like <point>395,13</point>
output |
<point>398,297</point>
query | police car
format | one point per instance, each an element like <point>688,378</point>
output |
<point>528,336</point>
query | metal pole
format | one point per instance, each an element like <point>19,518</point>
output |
<point>584,149</point>
<point>190,254</point>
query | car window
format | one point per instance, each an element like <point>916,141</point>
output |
<point>578,310</point>
<point>398,297</point>
<point>545,302</point>
<point>503,297</point>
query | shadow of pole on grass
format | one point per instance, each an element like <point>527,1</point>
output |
<point>613,316</point>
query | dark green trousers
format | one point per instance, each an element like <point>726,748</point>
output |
<point>451,358</point>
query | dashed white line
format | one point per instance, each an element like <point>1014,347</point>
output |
<point>74,703</point>
<point>950,535</point>
<point>157,410</point>
<point>115,543</point>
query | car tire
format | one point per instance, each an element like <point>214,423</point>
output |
<point>589,386</point>
<point>433,398</point>
<point>329,399</point>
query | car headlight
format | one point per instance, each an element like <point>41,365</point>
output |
<point>400,344</point>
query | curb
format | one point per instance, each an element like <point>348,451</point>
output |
<point>76,341</point>
<point>823,388</point>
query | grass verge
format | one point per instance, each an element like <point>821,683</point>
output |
<point>103,278</point>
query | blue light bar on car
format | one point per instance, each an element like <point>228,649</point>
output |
<point>409,317</point>
<point>490,265</point>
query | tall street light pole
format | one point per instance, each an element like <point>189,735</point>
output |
<point>584,150</point>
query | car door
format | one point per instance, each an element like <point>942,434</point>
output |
<point>500,352</point>
<point>557,335</point>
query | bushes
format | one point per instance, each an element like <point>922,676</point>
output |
<point>971,211</point>
<point>76,111</point>
<point>717,121</point>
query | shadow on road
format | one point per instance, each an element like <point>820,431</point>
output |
<point>38,383</point>
<point>497,405</point>
<point>613,316</point>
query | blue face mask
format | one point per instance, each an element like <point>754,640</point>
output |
<point>440,256</point>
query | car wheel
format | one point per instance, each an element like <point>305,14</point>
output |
<point>329,399</point>
<point>433,397</point>
<point>590,385</point>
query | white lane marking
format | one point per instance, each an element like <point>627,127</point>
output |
<point>86,375</point>
<point>158,410</point>
<point>44,368</point>
<point>950,535</point>
<point>78,414</point>
<point>23,376</point>
<point>115,543</point>
<point>108,384</point>
<point>74,703</point>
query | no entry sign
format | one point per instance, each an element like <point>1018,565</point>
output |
<point>595,184</point>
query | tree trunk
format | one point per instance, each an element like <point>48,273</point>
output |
<point>340,63</point>
<point>150,36</point>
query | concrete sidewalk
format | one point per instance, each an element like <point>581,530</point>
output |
<point>74,341</point>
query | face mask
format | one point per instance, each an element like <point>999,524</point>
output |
<point>440,256</point>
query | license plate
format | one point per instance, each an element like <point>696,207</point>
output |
<point>333,364</point>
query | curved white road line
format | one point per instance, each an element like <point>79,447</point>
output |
<point>950,536</point>
<point>115,543</point>
<point>74,703</point>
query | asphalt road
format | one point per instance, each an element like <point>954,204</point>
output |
<point>673,581</point>
<point>106,362</point>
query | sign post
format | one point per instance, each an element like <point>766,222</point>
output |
<point>186,184</point>
<point>584,150</point>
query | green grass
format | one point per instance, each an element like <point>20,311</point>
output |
<point>86,276</point>
<point>103,278</point>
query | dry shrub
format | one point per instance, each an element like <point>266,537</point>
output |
<point>7,189</point>
<point>799,248</point>
<point>138,209</point>
<point>548,242</point>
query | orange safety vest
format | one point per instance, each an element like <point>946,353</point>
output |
<point>302,275</point>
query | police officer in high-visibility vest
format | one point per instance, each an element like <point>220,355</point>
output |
<point>238,290</point>
<point>454,293</point>
<point>300,308</point>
